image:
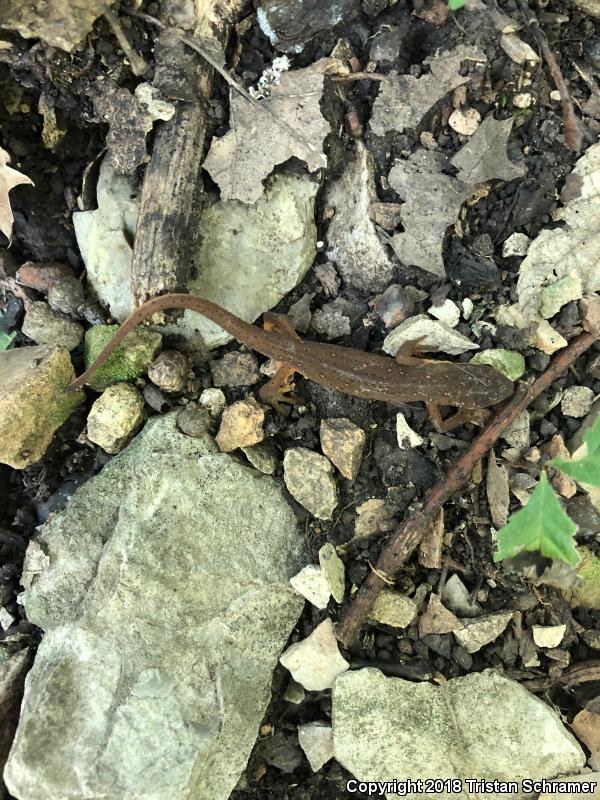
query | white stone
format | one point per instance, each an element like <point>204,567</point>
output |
<point>435,336</point>
<point>478,632</point>
<point>311,584</point>
<point>517,244</point>
<point>576,401</point>
<point>467,307</point>
<point>316,739</point>
<point>316,661</point>
<point>517,50</point>
<point>482,724</point>
<point>522,100</point>
<point>447,312</point>
<point>407,438</point>
<point>115,416</point>
<point>548,635</point>
<point>465,121</point>
<point>104,236</point>
<point>6,619</point>
<point>213,400</point>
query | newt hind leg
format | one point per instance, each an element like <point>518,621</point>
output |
<point>477,416</point>
<point>279,390</point>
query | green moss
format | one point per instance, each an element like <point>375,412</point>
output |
<point>129,360</point>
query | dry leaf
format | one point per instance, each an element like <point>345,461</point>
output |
<point>9,178</point>
<point>60,23</point>
<point>574,247</point>
<point>403,100</point>
<point>432,202</point>
<point>483,158</point>
<point>241,159</point>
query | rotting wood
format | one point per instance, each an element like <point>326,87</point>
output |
<point>173,184</point>
<point>408,535</point>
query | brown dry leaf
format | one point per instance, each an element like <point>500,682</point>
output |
<point>498,493</point>
<point>241,159</point>
<point>573,248</point>
<point>403,100</point>
<point>60,23</point>
<point>9,178</point>
<point>484,157</point>
<point>432,202</point>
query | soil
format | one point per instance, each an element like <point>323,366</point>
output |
<point>43,232</point>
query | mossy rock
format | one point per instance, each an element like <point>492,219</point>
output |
<point>587,593</point>
<point>130,359</point>
<point>508,362</point>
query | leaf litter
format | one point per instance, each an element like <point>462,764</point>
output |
<point>9,179</point>
<point>247,154</point>
<point>432,199</point>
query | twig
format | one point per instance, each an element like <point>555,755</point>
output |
<point>138,65</point>
<point>572,130</point>
<point>227,77</point>
<point>409,533</point>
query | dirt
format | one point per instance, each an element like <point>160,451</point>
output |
<point>43,232</point>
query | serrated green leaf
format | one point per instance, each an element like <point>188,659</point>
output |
<point>5,339</point>
<point>587,468</point>
<point>541,525</point>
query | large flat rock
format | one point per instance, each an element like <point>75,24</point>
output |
<point>165,607</point>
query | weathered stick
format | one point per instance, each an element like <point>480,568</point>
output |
<point>409,533</point>
<point>173,183</point>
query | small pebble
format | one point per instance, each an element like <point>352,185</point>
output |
<point>465,121</point>
<point>169,371</point>
<point>308,477</point>
<point>343,443</point>
<point>115,417</point>
<point>241,425</point>
<point>522,100</point>
<point>517,244</point>
<point>576,401</point>
<point>235,369</point>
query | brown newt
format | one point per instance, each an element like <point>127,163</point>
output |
<point>375,377</point>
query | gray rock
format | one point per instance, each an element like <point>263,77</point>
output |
<point>45,326</point>
<point>576,401</point>
<point>104,237</point>
<point>354,246</point>
<point>33,401</point>
<point>235,369</point>
<point>315,662</point>
<point>309,480</point>
<point>333,570</point>
<point>455,596</point>
<point>435,336</point>
<point>393,608</point>
<point>115,417</point>
<point>12,677</point>
<point>251,256</point>
<point>517,244</point>
<point>165,607</point>
<point>478,632</point>
<point>317,742</point>
<point>480,725</point>
<point>263,456</point>
<point>291,23</point>
<point>311,583</point>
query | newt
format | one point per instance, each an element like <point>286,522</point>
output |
<point>405,378</point>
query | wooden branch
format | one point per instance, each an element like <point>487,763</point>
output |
<point>409,533</point>
<point>173,184</point>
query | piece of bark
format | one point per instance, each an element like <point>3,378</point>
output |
<point>173,183</point>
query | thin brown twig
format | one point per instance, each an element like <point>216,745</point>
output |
<point>137,63</point>
<point>409,533</point>
<point>572,129</point>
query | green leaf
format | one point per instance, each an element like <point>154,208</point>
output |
<point>541,525</point>
<point>5,339</point>
<point>454,5</point>
<point>587,468</point>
